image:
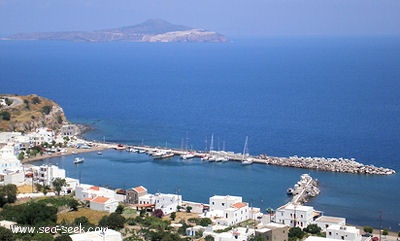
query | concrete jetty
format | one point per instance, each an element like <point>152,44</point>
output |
<point>304,189</point>
<point>342,165</point>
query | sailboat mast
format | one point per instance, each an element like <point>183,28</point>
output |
<point>245,147</point>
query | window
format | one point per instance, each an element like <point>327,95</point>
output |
<point>223,204</point>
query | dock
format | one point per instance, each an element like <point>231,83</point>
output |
<point>304,189</point>
<point>341,165</point>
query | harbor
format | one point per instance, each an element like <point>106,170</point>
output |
<point>342,165</point>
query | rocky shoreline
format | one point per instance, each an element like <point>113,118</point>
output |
<point>304,190</point>
<point>327,164</point>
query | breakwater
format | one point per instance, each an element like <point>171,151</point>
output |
<point>304,189</point>
<point>342,165</point>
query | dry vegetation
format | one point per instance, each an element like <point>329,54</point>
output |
<point>29,112</point>
<point>93,216</point>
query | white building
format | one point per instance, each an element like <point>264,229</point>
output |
<point>13,177</point>
<point>108,235</point>
<point>104,204</point>
<point>11,170</point>
<point>315,238</point>
<point>42,135</point>
<point>168,203</point>
<point>70,185</point>
<point>46,174</point>
<point>221,203</point>
<point>295,215</point>
<point>230,210</point>
<point>8,158</point>
<point>325,221</point>
<point>86,192</point>
<point>342,232</point>
<point>232,235</point>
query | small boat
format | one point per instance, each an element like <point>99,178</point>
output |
<point>79,160</point>
<point>167,155</point>
<point>187,156</point>
<point>99,153</point>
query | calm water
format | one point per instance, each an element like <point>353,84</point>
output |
<point>332,97</point>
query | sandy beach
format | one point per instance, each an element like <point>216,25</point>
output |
<point>69,151</point>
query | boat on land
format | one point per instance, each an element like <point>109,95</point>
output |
<point>78,160</point>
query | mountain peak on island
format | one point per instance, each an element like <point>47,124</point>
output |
<point>155,26</point>
<point>152,30</point>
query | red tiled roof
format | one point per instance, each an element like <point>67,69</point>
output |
<point>239,205</point>
<point>94,188</point>
<point>100,200</point>
<point>140,189</point>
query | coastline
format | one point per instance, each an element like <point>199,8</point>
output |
<point>68,151</point>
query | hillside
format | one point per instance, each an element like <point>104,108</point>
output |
<point>26,113</point>
<point>154,30</point>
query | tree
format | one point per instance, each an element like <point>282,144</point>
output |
<point>31,213</point>
<point>6,234</point>
<point>312,229</point>
<point>58,183</point>
<point>173,216</point>
<point>46,109</point>
<point>205,222</point>
<point>63,237</point>
<point>21,156</point>
<point>83,221</point>
<point>8,194</point>
<point>119,209</point>
<point>188,209</point>
<point>385,232</point>
<point>26,102</point>
<point>73,204</point>
<point>35,100</point>
<point>5,115</point>
<point>114,221</point>
<point>295,233</point>
<point>368,229</point>
<point>209,238</point>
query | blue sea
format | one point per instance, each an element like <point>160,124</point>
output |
<point>305,96</point>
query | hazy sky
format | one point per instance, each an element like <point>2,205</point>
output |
<point>230,17</point>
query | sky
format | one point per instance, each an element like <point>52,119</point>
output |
<point>236,18</point>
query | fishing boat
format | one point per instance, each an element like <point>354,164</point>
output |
<point>79,160</point>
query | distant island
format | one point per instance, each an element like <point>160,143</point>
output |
<point>154,30</point>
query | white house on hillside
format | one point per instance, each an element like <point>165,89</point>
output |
<point>228,210</point>
<point>108,235</point>
<point>325,221</point>
<point>46,174</point>
<point>342,232</point>
<point>11,170</point>
<point>221,203</point>
<point>104,204</point>
<point>295,215</point>
<point>168,203</point>
<point>86,192</point>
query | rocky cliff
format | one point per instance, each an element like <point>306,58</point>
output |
<point>26,113</point>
